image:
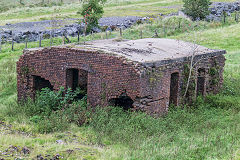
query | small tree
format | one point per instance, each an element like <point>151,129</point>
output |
<point>197,9</point>
<point>193,37</point>
<point>92,11</point>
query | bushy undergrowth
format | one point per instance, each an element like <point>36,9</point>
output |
<point>189,132</point>
<point>207,130</point>
<point>171,26</point>
<point>185,133</point>
<point>52,111</point>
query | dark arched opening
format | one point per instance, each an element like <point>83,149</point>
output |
<point>77,78</point>
<point>122,101</point>
<point>201,81</point>
<point>39,83</point>
<point>174,85</point>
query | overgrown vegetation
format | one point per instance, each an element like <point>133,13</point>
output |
<point>92,11</point>
<point>53,111</point>
<point>203,126</point>
<point>197,9</point>
<point>185,133</point>
<point>68,10</point>
<point>208,130</point>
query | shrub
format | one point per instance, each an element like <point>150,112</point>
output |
<point>59,120</point>
<point>48,101</point>
<point>78,112</point>
<point>92,11</point>
<point>197,9</point>
<point>52,110</point>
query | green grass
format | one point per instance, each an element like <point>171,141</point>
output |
<point>209,131</point>
<point>183,134</point>
<point>77,140</point>
<point>112,8</point>
<point>71,7</point>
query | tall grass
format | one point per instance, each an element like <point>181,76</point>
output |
<point>208,130</point>
<point>202,133</point>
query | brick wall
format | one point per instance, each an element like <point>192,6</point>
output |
<point>156,80</point>
<point>109,76</point>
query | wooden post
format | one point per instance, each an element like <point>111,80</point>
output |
<point>12,44</point>
<point>236,16</point>
<point>78,34</point>
<point>26,41</point>
<point>63,39</point>
<point>106,35</point>
<point>120,32</point>
<point>40,40</point>
<point>12,41</point>
<point>224,17</point>
<point>141,34</point>
<point>50,38</point>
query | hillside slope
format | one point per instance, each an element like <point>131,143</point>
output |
<point>210,132</point>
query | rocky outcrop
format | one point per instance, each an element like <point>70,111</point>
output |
<point>33,30</point>
<point>217,10</point>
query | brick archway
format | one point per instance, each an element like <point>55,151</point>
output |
<point>123,101</point>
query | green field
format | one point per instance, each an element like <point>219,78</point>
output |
<point>208,130</point>
<point>69,10</point>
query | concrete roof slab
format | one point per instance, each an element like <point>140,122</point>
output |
<point>150,49</point>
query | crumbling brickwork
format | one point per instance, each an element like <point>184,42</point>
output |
<point>156,82</point>
<point>108,76</point>
<point>148,86</point>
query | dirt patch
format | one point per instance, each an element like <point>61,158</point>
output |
<point>15,152</point>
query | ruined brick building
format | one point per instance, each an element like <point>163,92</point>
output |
<point>145,74</point>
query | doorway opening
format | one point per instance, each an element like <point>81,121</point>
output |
<point>77,79</point>
<point>39,83</point>
<point>122,101</point>
<point>174,86</point>
<point>201,82</point>
<point>72,78</point>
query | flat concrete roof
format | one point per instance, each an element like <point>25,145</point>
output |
<point>150,49</point>
<point>146,51</point>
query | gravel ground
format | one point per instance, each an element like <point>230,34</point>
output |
<point>32,30</point>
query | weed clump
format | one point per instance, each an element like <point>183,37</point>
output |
<point>53,111</point>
